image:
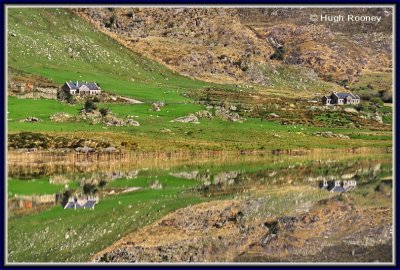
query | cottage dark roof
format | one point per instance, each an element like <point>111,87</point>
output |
<point>71,205</point>
<point>337,189</point>
<point>89,204</point>
<point>77,85</point>
<point>345,95</point>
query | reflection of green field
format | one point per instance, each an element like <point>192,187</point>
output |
<point>112,218</point>
<point>32,187</point>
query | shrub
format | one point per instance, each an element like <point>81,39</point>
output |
<point>66,96</point>
<point>104,112</point>
<point>377,101</point>
<point>90,106</point>
<point>89,189</point>
<point>278,54</point>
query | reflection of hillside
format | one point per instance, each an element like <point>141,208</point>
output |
<point>361,171</point>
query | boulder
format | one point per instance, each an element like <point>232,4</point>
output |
<point>227,115</point>
<point>191,118</point>
<point>274,115</point>
<point>131,122</point>
<point>31,119</point>
<point>378,118</point>
<point>350,110</point>
<point>156,106</point>
<point>204,114</point>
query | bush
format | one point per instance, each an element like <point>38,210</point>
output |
<point>278,54</point>
<point>104,112</point>
<point>66,96</point>
<point>89,189</point>
<point>90,106</point>
<point>377,101</point>
<point>96,99</point>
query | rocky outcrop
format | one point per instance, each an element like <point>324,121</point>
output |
<point>227,115</point>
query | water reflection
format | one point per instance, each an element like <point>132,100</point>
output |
<point>216,175</point>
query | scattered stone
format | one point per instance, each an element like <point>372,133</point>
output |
<point>165,130</point>
<point>330,134</point>
<point>115,122</point>
<point>156,185</point>
<point>61,117</point>
<point>274,115</point>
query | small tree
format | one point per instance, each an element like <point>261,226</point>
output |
<point>104,112</point>
<point>65,95</point>
<point>90,106</point>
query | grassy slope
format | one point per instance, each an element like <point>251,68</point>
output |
<point>42,41</point>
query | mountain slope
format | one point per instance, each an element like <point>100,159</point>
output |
<point>237,45</point>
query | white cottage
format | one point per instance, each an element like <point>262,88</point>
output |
<point>82,88</point>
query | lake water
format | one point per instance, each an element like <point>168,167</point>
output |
<point>39,187</point>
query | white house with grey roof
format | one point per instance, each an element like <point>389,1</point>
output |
<point>82,88</point>
<point>341,99</point>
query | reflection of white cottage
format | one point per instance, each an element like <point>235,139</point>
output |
<point>341,99</point>
<point>82,88</point>
<point>338,186</point>
<point>87,202</point>
<point>349,185</point>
